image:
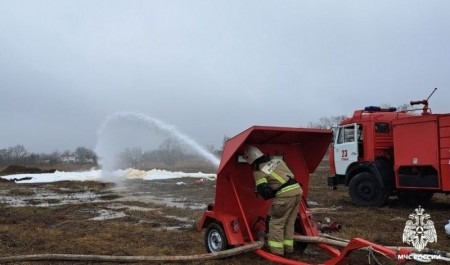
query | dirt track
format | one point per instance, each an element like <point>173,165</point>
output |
<point>158,218</point>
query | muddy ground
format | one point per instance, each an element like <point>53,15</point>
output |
<point>158,217</point>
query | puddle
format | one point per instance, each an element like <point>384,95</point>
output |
<point>115,208</point>
<point>131,208</point>
<point>108,215</point>
<point>174,228</point>
<point>181,202</point>
<point>46,199</point>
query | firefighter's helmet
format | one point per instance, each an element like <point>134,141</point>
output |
<point>252,153</point>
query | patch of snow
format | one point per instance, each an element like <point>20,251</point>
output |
<point>154,174</point>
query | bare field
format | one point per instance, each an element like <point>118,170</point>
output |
<point>146,218</point>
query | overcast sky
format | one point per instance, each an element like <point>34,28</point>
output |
<point>211,68</point>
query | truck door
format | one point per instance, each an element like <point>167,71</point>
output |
<point>345,147</point>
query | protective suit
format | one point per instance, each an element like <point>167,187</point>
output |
<point>274,180</point>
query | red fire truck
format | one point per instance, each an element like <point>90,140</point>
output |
<point>382,152</point>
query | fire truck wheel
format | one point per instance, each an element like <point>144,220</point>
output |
<point>215,238</point>
<point>365,190</point>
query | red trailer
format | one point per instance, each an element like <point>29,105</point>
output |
<point>238,214</point>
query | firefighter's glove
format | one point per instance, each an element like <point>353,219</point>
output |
<point>265,191</point>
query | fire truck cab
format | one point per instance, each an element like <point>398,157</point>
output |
<point>381,152</point>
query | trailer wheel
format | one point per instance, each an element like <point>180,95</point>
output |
<point>365,190</point>
<point>215,238</point>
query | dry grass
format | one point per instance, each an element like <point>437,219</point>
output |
<point>68,228</point>
<point>382,225</point>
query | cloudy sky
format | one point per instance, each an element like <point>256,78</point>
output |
<point>211,68</point>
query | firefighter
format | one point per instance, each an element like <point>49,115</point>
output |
<point>274,180</point>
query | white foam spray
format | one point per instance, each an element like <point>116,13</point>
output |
<point>104,148</point>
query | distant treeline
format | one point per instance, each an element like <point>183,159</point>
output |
<point>18,155</point>
<point>170,154</point>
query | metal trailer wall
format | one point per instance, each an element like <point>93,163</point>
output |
<point>422,142</point>
<point>444,143</point>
